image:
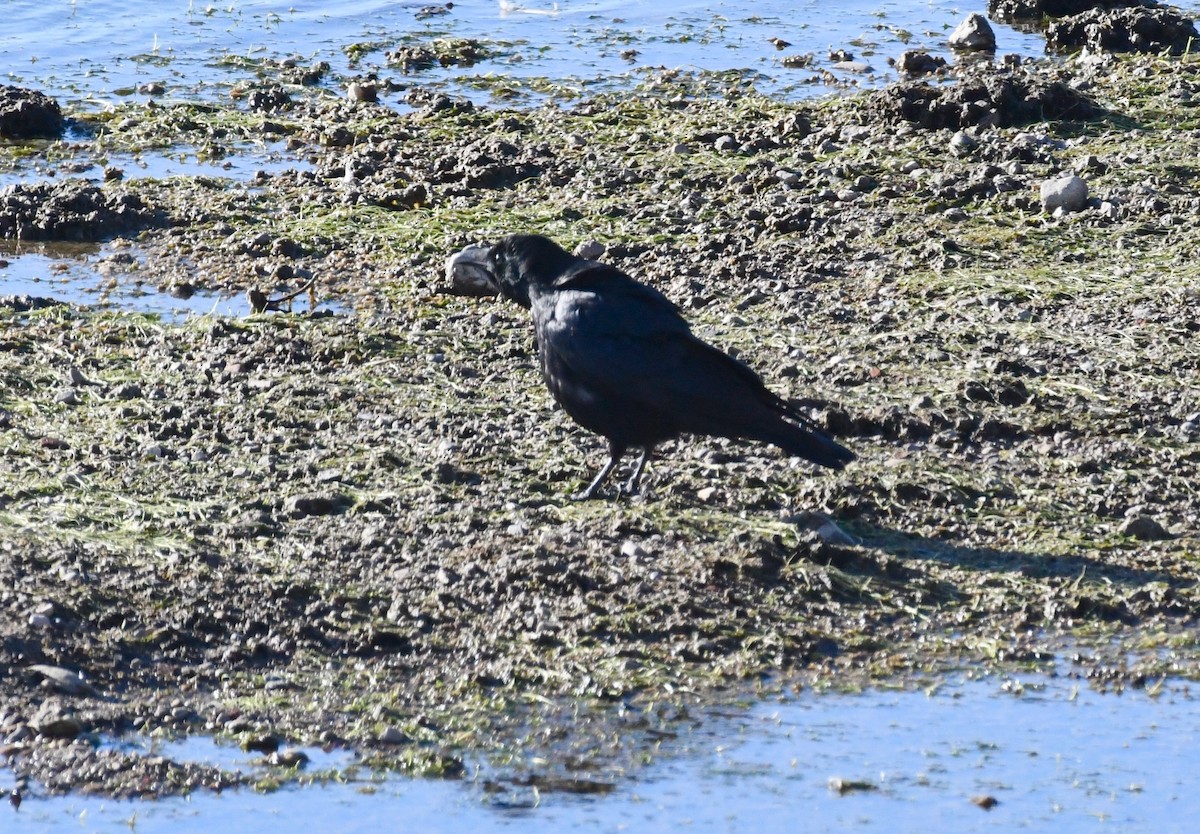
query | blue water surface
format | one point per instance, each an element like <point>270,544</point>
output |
<point>1054,754</point>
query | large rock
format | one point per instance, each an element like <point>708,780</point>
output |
<point>974,35</point>
<point>28,114</point>
<point>1069,193</point>
<point>1138,29</point>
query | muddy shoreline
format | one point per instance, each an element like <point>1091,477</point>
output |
<point>354,530</point>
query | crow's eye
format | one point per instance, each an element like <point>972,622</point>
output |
<point>496,257</point>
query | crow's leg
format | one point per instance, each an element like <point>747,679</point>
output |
<point>631,486</point>
<point>615,453</point>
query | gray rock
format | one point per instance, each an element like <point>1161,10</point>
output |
<point>789,178</point>
<point>20,733</point>
<point>973,35</point>
<point>28,114</point>
<point>1004,184</point>
<point>1144,528</point>
<point>64,680</point>
<point>1069,193</point>
<point>962,143</point>
<point>726,143</point>
<point>1136,29</point>
<point>589,250</point>
<point>919,62</point>
<point>315,503</point>
<point>53,720</point>
<point>393,735</point>
<point>60,727</point>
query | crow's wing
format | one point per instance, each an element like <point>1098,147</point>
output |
<point>627,344</point>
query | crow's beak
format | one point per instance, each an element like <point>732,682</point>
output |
<point>469,271</point>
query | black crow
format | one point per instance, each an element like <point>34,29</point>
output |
<point>620,359</point>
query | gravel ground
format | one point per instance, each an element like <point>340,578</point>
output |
<point>354,529</point>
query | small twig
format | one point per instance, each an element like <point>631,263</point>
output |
<point>259,303</point>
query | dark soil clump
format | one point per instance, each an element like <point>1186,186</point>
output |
<point>918,62</point>
<point>72,210</point>
<point>987,98</point>
<point>457,52</point>
<point>1124,30</point>
<point>1006,11</point>
<point>28,114</point>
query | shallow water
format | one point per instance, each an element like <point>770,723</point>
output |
<point>240,164</point>
<point>1051,751</point>
<point>71,273</point>
<point>103,50</point>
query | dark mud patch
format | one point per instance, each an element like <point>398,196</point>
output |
<point>28,114</point>
<point>443,52</point>
<point>1008,11</point>
<point>73,210</point>
<point>986,96</point>
<point>1139,29</point>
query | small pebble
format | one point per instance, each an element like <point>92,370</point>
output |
<point>1144,528</point>
<point>288,757</point>
<point>393,735</point>
<point>962,143</point>
<point>633,550</point>
<point>357,91</point>
<point>589,250</point>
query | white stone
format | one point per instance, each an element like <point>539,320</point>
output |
<point>963,143</point>
<point>393,735</point>
<point>1069,193</point>
<point>589,250</point>
<point>974,34</point>
<point>633,550</point>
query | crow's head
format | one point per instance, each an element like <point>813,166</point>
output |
<point>513,267</point>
